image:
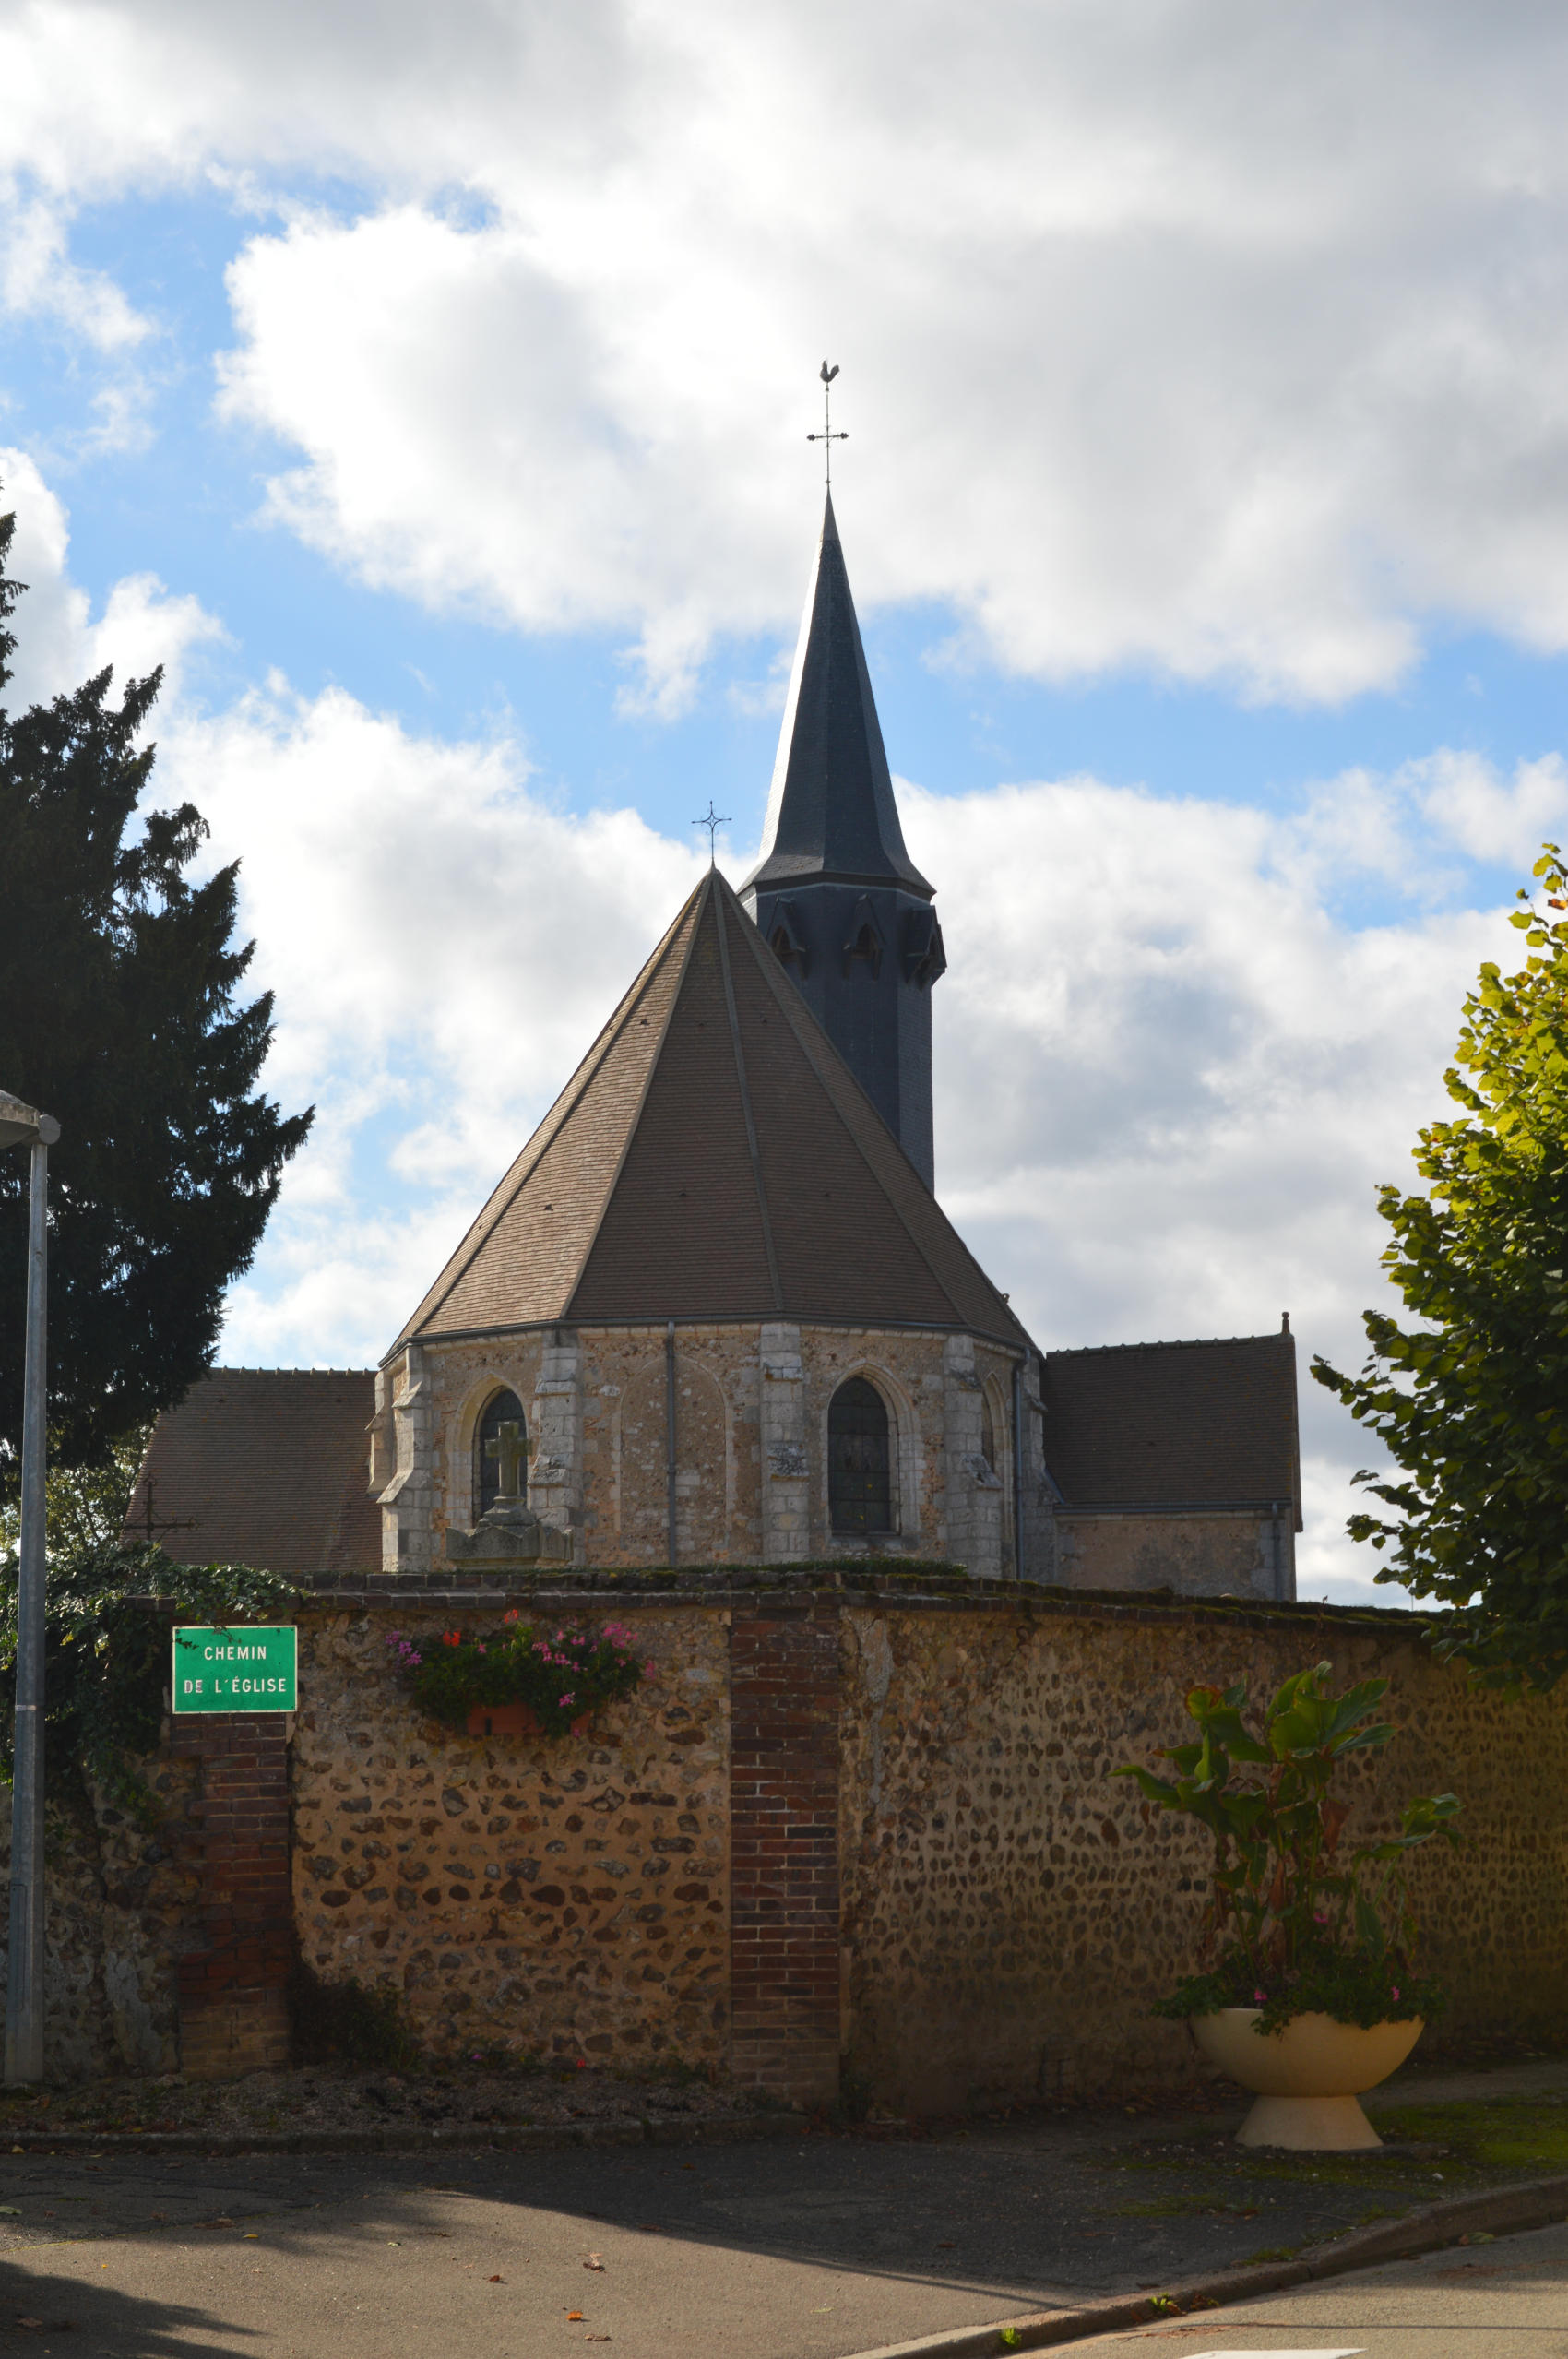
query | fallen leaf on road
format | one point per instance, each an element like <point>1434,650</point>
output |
<point>33,2325</point>
<point>215,2223</point>
<point>595,2338</point>
<point>573,2313</point>
<point>593,2262</point>
<point>946,2249</point>
<point>495,2280</point>
<point>10,2211</point>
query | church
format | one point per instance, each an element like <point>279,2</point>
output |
<point>714,1313</point>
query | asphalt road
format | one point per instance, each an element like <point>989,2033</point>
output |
<point>1505,2300</point>
<point>807,2248</point>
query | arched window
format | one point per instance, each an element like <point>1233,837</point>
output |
<point>501,1452</point>
<point>988,1433</point>
<point>859,1489</point>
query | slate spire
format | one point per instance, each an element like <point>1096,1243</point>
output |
<point>836,895</point>
<point>831,812</point>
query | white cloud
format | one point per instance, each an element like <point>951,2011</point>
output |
<point>1170,1080</point>
<point>1223,343</point>
<point>38,280</point>
<point>59,645</point>
<point>443,945</point>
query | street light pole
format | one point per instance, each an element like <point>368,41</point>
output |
<point>20,1126</point>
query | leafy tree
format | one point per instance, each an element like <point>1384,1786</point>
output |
<point>118,1015</point>
<point>85,1505</point>
<point>1472,1403</point>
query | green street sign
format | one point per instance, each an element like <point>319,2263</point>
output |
<point>236,1670</point>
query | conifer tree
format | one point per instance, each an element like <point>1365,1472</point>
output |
<point>1472,1403</point>
<point>118,1017</point>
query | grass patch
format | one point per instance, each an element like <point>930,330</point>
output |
<point>1270,2252</point>
<point>1518,2133</point>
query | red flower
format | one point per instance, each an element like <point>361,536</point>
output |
<point>451,1638</point>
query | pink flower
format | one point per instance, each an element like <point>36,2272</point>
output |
<point>481,1647</point>
<point>1261,1996</point>
<point>1395,1992</point>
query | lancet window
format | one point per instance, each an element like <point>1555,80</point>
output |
<point>859,1485</point>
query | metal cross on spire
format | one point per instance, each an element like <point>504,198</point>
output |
<point>712,820</point>
<point>827,436</point>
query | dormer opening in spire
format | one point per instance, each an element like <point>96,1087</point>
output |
<point>836,879</point>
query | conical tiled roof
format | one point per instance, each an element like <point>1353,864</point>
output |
<point>712,1158</point>
<point>831,812</point>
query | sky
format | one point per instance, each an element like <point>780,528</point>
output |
<point>428,391</point>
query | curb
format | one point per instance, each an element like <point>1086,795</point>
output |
<point>1507,2210</point>
<point>481,2138</point>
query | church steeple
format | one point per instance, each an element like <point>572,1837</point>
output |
<point>836,894</point>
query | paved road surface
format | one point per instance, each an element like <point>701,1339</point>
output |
<point>797,2249</point>
<point>1507,2300</point>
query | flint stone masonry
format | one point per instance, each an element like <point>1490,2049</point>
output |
<point>857,1818</point>
<point>562,1897</point>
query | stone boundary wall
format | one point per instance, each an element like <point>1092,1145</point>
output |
<point>1012,1909</point>
<point>853,1821</point>
<point>566,1898</point>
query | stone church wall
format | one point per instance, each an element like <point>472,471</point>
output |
<point>750,1443</point>
<point>1198,1554</point>
<point>851,1821</point>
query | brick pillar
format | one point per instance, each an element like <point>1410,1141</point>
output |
<point>233,2008</point>
<point>784,1852</point>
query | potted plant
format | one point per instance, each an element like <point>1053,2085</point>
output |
<point>1311,1995</point>
<point>518,1681</point>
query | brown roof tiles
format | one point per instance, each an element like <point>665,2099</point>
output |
<point>267,1467</point>
<point>1175,1425</point>
<point>712,1157</point>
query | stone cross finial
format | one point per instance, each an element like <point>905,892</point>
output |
<point>510,1450</point>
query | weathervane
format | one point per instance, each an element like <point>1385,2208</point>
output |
<point>712,820</point>
<point>827,434</point>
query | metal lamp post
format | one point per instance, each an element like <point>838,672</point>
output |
<point>22,1125</point>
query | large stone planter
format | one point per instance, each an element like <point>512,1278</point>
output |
<point>1308,2075</point>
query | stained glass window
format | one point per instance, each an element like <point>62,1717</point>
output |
<point>859,1489</point>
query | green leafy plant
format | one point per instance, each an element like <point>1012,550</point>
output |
<point>563,1676</point>
<point>106,1657</point>
<point>1298,1925</point>
<point>1471,1403</point>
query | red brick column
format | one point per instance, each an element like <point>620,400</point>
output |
<point>784,1852</point>
<point>233,2008</point>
